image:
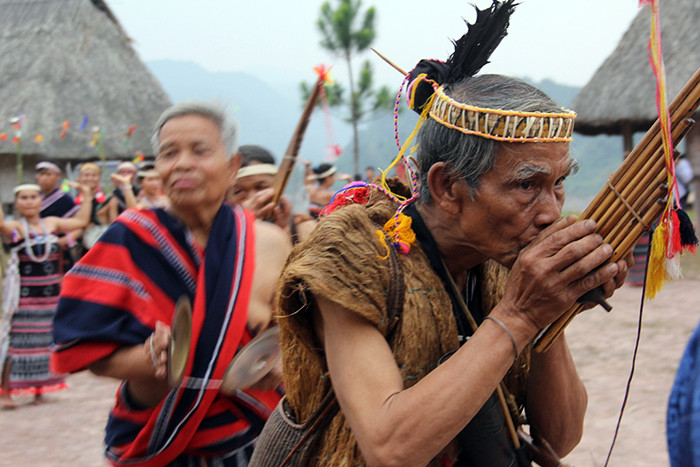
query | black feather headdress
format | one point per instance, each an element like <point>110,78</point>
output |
<point>472,50</point>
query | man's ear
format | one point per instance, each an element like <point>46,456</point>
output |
<point>234,165</point>
<point>446,190</point>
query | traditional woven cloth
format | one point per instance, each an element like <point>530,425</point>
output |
<point>58,204</point>
<point>32,286</point>
<point>130,280</point>
<point>341,260</point>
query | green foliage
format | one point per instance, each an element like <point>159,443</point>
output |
<point>337,27</point>
<point>346,30</point>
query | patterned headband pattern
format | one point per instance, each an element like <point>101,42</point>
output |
<point>502,125</point>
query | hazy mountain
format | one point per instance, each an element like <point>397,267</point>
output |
<point>268,112</point>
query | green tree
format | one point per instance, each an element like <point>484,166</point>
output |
<point>346,31</point>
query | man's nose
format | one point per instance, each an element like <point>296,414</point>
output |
<point>184,159</point>
<point>550,210</point>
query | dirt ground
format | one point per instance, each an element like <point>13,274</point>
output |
<point>68,430</point>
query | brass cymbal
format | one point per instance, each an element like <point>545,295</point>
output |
<point>253,361</point>
<point>180,338</point>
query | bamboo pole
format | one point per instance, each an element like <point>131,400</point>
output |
<point>281,179</point>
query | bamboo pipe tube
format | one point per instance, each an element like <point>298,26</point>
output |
<point>609,220</point>
<point>551,334</point>
<point>653,137</point>
<point>281,179</point>
<point>633,173</point>
<point>627,181</point>
<point>627,223</point>
<point>548,337</point>
<point>641,188</point>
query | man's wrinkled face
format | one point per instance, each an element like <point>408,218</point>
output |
<point>192,161</point>
<point>519,197</point>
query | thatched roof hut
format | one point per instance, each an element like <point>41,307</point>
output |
<point>65,60</point>
<point>620,98</point>
<point>621,94</point>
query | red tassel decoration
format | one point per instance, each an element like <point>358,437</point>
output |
<point>674,236</point>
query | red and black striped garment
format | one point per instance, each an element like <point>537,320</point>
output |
<point>131,279</point>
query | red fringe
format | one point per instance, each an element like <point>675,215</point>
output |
<point>33,391</point>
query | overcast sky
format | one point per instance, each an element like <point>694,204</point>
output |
<point>565,40</point>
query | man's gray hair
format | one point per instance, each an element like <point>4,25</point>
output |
<point>214,112</point>
<point>468,156</point>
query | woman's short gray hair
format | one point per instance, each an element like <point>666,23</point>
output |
<point>214,112</point>
<point>468,156</point>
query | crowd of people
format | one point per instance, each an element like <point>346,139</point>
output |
<point>406,308</point>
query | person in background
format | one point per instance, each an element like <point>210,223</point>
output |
<point>151,193</point>
<point>30,293</point>
<point>253,190</point>
<point>683,412</point>
<point>318,185</point>
<point>118,304</point>
<point>117,201</point>
<point>370,174</point>
<point>56,202</point>
<point>684,176</point>
<point>90,174</point>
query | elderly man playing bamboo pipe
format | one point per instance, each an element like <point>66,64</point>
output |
<point>372,304</point>
<point>117,304</point>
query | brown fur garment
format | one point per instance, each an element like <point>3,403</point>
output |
<point>342,261</point>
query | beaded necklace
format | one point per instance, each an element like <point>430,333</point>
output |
<point>48,243</point>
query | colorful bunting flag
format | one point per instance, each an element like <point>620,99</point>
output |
<point>64,129</point>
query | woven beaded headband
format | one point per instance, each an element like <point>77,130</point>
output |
<point>27,186</point>
<point>256,169</point>
<point>323,175</point>
<point>502,125</point>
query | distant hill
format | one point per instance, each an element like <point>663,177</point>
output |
<point>266,114</point>
<point>268,111</point>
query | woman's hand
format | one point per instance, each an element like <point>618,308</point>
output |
<point>122,181</point>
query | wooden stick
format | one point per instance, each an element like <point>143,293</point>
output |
<point>395,66</point>
<point>279,183</point>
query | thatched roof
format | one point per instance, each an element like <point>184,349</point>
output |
<point>622,91</point>
<point>64,60</point>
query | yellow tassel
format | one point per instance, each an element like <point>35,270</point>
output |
<point>382,240</point>
<point>656,272</point>
<point>401,232</point>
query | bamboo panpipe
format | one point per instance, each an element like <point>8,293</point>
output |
<point>637,181</point>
